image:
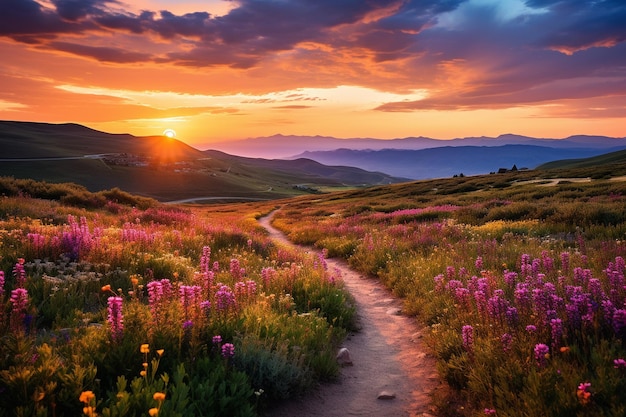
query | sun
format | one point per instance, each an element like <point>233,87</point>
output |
<point>170,133</point>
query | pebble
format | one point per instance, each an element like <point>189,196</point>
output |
<point>386,395</point>
<point>343,357</point>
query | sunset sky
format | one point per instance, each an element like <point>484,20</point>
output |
<point>215,70</point>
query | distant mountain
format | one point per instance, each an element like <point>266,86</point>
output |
<point>159,167</point>
<point>447,161</point>
<point>281,146</point>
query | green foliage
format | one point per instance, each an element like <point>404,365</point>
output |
<point>449,233</point>
<point>62,357</point>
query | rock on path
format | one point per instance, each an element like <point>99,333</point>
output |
<point>391,373</point>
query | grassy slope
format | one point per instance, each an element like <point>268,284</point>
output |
<point>214,174</point>
<point>618,157</point>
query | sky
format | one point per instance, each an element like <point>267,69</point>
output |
<point>221,70</point>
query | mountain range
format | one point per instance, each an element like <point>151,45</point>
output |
<point>427,158</point>
<point>286,146</point>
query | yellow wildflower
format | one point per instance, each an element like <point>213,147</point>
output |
<point>145,348</point>
<point>160,352</point>
<point>159,396</point>
<point>106,288</point>
<point>143,373</point>
<point>153,412</point>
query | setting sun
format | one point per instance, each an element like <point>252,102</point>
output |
<point>170,133</point>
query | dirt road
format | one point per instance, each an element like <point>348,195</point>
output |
<point>388,354</point>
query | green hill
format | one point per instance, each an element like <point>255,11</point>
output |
<point>157,166</point>
<point>618,157</point>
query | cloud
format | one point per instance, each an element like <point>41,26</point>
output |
<point>465,53</point>
<point>101,53</point>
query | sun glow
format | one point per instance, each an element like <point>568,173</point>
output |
<point>170,133</point>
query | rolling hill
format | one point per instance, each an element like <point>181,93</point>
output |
<point>618,157</point>
<point>159,167</point>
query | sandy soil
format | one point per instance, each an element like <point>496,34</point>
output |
<point>388,355</point>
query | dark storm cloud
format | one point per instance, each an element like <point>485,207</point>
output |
<point>74,10</point>
<point>26,18</point>
<point>588,24</point>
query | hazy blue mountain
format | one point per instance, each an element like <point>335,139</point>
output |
<point>281,146</point>
<point>447,161</point>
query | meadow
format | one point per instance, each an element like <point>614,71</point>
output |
<point>116,305</point>
<point>519,278</point>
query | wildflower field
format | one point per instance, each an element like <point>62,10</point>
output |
<point>115,305</point>
<point>519,280</point>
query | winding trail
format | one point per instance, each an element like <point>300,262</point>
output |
<point>388,355</point>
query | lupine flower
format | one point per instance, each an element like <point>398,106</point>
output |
<point>217,340</point>
<point>19,304</point>
<point>467,333</point>
<point>490,412</point>
<point>115,317</point>
<point>512,317</point>
<point>225,299</point>
<point>19,273</point>
<point>556,325</point>
<point>228,350</point>
<point>542,353</point>
<point>267,274</point>
<point>205,263</point>
<point>619,321</point>
<point>531,328</point>
<point>1,284</point>
<point>584,393</point>
<point>479,263</point>
<point>235,269</point>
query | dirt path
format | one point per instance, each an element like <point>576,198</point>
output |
<point>388,355</point>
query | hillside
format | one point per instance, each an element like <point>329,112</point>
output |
<point>618,157</point>
<point>158,167</point>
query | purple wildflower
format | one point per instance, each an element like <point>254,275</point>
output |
<point>490,412</point>
<point>228,350</point>
<point>479,263</point>
<point>267,274</point>
<point>512,317</point>
<point>19,304</point>
<point>531,328</point>
<point>217,339</point>
<point>115,317</point>
<point>19,273</point>
<point>467,332</point>
<point>542,353</point>
<point>619,363</point>
<point>619,321</point>
<point>556,325</point>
